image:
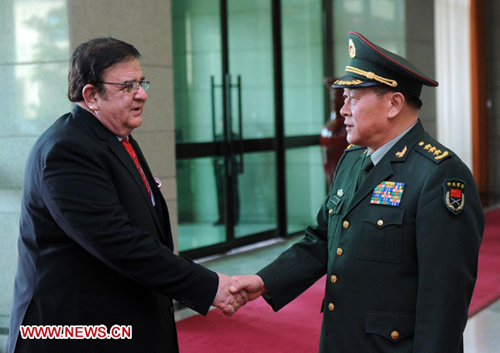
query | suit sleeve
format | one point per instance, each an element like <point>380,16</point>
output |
<point>447,246</point>
<point>78,190</point>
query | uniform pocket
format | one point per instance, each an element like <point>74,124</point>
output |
<point>382,234</point>
<point>392,326</point>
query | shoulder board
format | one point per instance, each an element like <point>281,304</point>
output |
<point>433,150</point>
<point>352,147</point>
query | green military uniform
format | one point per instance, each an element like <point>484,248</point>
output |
<point>400,252</point>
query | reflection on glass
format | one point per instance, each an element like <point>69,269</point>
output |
<point>36,75</point>
<point>41,37</point>
<point>197,57</point>
<point>251,57</point>
<point>303,67</point>
<point>382,21</point>
<point>201,190</point>
<point>34,59</point>
<point>305,187</point>
<point>200,187</point>
<point>257,193</point>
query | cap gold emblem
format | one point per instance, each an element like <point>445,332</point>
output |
<point>352,49</point>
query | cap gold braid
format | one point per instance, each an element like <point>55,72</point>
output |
<point>371,76</point>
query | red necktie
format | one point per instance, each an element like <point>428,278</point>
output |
<point>128,146</point>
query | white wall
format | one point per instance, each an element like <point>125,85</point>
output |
<point>452,43</point>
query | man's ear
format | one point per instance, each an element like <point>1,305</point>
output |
<point>89,93</point>
<point>397,101</point>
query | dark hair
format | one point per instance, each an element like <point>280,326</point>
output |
<point>89,61</point>
<point>412,101</point>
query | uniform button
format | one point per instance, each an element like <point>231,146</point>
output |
<point>333,279</point>
<point>395,335</point>
<point>345,224</point>
<point>331,211</point>
<point>380,223</point>
<point>340,251</point>
<point>331,307</point>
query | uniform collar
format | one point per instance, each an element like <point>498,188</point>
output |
<point>382,151</point>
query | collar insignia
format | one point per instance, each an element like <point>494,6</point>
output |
<point>402,153</point>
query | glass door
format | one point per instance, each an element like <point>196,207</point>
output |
<point>250,57</point>
<point>223,82</point>
<point>304,109</point>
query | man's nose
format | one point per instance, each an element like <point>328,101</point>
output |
<point>141,94</point>
<point>344,111</point>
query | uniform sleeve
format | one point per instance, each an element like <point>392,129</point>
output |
<point>78,190</point>
<point>303,264</point>
<point>448,239</point>
<point>299,267</point>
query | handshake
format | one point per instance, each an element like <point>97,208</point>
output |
<point>236,291</point>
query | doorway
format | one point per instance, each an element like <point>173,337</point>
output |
<point>245,171</point>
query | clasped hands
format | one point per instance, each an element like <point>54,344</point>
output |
<point>234,292</point>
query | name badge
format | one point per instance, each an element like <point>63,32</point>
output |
<point>335,200</point>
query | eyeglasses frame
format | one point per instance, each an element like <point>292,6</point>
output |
<point>134,85</point>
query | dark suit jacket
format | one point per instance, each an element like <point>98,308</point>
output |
<point>400,277</point>
<point>94,250</point>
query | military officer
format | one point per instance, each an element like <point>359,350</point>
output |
<point>399,234</point>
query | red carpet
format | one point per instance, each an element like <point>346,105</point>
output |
<point>257,328</point>
<point>296,327</point>
<point>487,288</point>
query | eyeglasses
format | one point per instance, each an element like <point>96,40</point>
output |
<point>131,86</point>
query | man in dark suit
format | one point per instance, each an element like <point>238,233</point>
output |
<point>399,234</point>
<point>95,244</point>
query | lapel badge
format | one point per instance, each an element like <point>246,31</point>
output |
<point>454,195</point>
<point>388,193</point>
<point>402,153</point>
<point>340,192</point>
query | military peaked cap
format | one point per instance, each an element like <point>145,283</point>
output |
<point>371,65</point>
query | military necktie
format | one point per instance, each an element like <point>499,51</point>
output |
<point>366,166</point>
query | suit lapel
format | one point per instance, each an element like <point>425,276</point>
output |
<point>121,153</point>
<point>383,170</point>
<point>156,193</point>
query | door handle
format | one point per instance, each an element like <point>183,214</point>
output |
<point>227,123</point>
<point>240,126</point>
